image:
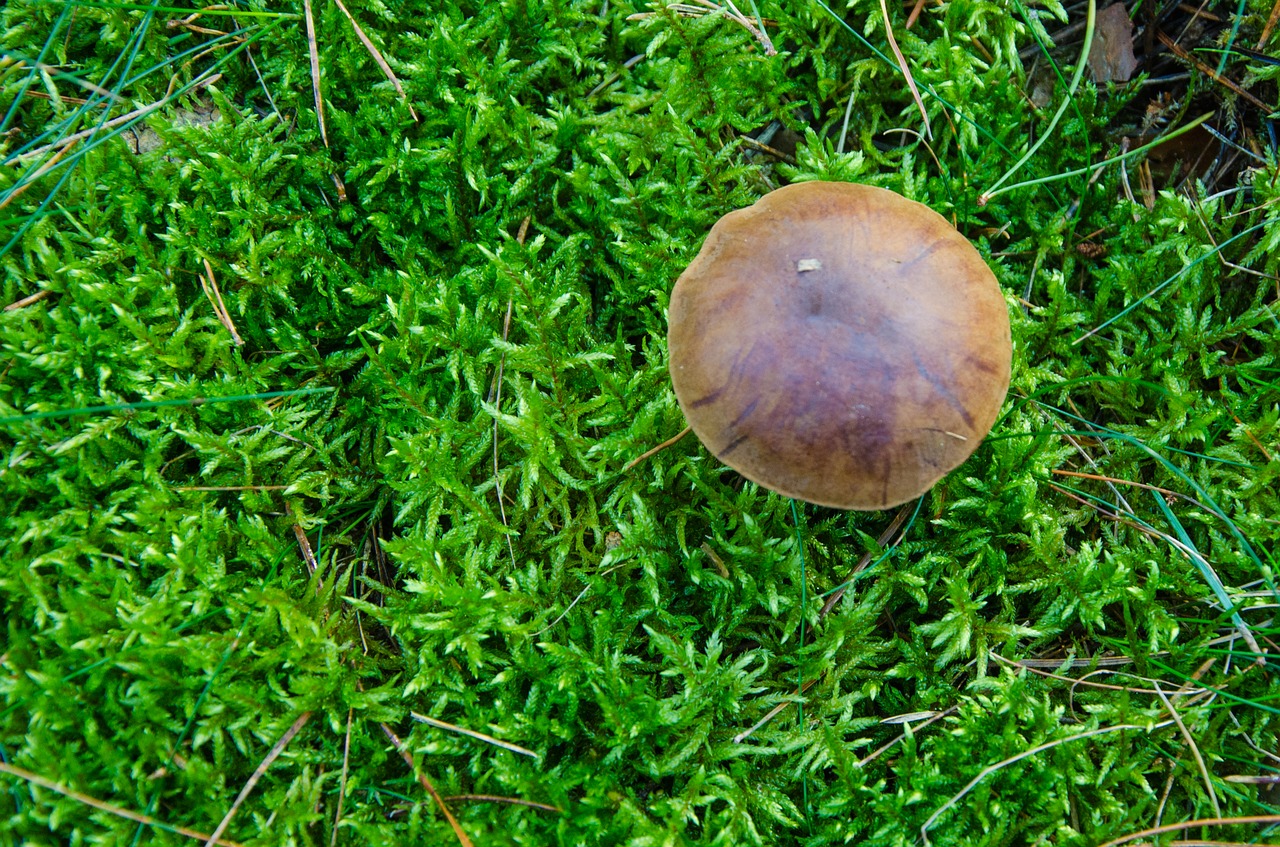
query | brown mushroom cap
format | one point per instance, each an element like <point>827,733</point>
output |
<point>840,344</point>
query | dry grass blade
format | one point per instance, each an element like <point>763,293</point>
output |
<point>987,771</point>
<point>431,789</point>
<point>884,748</point>
<point>307,553</point>
<point>1195,750</point>
<point>377,57</point>
<point>210,286</point>
<point>127,117</point>
<point>1174,827</point>
<point>906,71</point>
<point>266,762</point>
<point>36,779</point>
<point>28,180</point>
<point>480,736</point>
<point>314,53</point>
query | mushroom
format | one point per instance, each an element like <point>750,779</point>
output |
<point>839,344</point>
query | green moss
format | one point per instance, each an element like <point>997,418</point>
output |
<point>163,627</point>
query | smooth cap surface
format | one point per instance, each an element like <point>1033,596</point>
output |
<point>839,344</point>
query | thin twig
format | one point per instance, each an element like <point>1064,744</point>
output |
<point>1182,54</point>
<point>663,446</point>
<point>377,57</point>
<point>257,775</point>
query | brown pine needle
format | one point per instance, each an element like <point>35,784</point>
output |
<point>663,446</point>
<point>906,71</point>
<point>377,57</point>
<point>1116,481</point>
<point>431,789</point>
<point>36,779</point>
<point>314,53</point>
<point>1174,827</point>
<point>1272,20</point>
<point>210,286</point>
<point>271,756</point>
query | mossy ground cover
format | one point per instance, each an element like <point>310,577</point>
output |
<point>372,394</point>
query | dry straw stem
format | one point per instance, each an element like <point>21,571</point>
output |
<point>1174,827</point>
<point>987,771</point>
<point>257,775</point>
<point>29,179</point>
<point>488,739</point>
<point>230,487</point>
<point>36,779</point>
<point>431,789</point>
<point>377,57</point>
<point>1195,750</point>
